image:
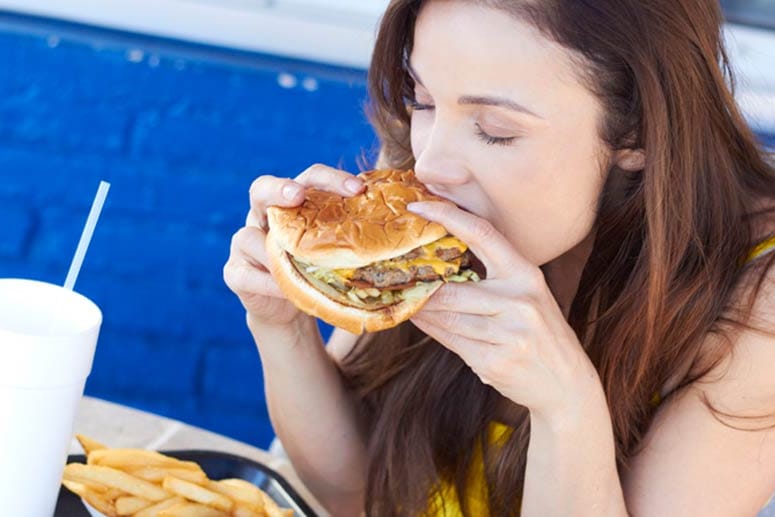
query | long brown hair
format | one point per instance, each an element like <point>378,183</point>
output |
<point>665,265</point>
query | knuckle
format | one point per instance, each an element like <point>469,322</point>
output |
<point>534,280</point>
<point>229,275</point>
<point>255,186</point>
<point>266,191</point>
<point>449,319</point>
<point>264,284</point>
<point>313,171</point>
<point>238,237</point>
<point>235,241</point>
<point>445,210</point>
<point>254,219</point>
<point>528,310</point>
<point>260,184</point>
<point>484,229</point>
<point>447,296</point>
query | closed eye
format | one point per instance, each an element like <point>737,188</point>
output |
<point>418,106</point>
<point>493,140</point>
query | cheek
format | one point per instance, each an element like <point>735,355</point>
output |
<point>548,206</point>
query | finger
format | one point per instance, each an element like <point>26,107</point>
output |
<point>493,249</point>
<point>484,299</point>
<point>249,243</point>
<point>472,351</point>
<point>473,326</point>
<point>468,297</point>
<point>256,220</point>
<point>327,178</point>
<point>272,191</point>
<point>244,279</point>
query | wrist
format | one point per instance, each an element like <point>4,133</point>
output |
<point>587,406</point>
<point>301,329</point>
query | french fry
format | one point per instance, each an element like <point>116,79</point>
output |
<point>245,511</point>
<point>197,493</point>
<point>153,511</point>
<point>240,491</point>
<point>157,474</point>
<point>129,504</point>
<point>143,483</point>
<point>100,503</point>
<point>88,445</point>
<point>132,459</point>
<point>192,510</point>
<point>113,478</point>
<point>268,506</point>
<point>79,487</point>
<point>271,509</point>
<point>112,493</point>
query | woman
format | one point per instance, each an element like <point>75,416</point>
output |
<point>619,355</point>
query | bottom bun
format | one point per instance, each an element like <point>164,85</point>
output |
<point>313,301</point>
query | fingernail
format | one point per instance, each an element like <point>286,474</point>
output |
<point>353,185</point>
<point>291,191</point>
<point>417,208</point>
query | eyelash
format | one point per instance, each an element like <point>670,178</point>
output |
<point>493,140</point>
<point>484,137</point>
<point>416,106</point>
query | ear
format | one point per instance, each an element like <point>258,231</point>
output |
<point>629,159</point>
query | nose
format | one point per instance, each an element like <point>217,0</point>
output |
<point>438,163</point>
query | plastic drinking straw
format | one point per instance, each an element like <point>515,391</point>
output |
<point>88,231</point>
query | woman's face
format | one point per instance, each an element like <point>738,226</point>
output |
<point>503,127</point>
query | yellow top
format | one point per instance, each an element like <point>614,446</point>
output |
<point>444,502</point>
<point>761,249</point>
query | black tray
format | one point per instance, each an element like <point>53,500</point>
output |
<point>217,465</point>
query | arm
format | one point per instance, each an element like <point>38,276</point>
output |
<point>312,414</point>
<point>700,465</point>
<point>571,463</point>
<point>691,464</point>
<point>510,330</point>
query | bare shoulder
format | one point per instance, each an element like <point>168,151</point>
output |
<point>340,343</point>
<point>745,380</point>
<point>695,462</point>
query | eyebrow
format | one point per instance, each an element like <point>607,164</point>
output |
<point>482,100</point>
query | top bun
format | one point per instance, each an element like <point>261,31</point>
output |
<point>333,231</point>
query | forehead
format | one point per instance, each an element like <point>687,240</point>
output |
<point>464,46</point>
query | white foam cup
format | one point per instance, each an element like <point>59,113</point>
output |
<point>48,335</point>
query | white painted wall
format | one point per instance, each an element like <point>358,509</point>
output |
<point>342,32</point>
<point>333,31</point>
<point>752,54</point>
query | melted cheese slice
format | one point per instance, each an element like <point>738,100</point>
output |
<point>428,258</point>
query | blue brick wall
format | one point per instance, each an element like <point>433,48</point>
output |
<point>180,131</point>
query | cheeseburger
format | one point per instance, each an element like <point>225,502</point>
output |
<point>363,263</point>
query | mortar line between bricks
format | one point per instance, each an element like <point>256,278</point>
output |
<point>199,375</point>
<point>127,140</point>
<point>31,234</point>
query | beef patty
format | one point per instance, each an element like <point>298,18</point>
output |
<point>383,276</point>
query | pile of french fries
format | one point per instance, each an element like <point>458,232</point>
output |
<point>142,483</point>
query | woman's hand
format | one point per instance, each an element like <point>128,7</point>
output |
<point>508,328</point>
<point>246,272</point>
